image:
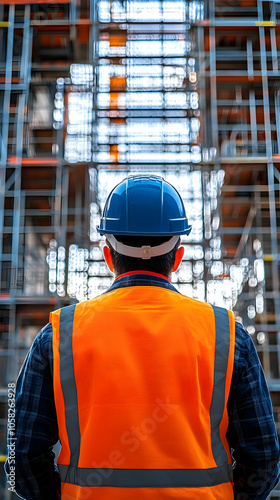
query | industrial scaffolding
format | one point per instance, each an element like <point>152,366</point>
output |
<point>91,91</point>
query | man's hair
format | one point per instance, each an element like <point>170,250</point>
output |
<point>161,264</point>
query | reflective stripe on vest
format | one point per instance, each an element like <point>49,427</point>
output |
<point>137,478</point>
<point>145,478</point>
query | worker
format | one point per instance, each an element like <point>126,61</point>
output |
<point>152,394</point>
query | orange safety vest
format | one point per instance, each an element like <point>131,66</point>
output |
<point>141,381</point>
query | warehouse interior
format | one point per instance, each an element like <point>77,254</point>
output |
<point>93,90</point>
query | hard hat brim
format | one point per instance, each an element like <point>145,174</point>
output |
<point>102,232</point>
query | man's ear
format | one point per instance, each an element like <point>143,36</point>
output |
<point>178,258</point>
<point>108,258</point>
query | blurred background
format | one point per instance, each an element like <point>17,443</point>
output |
<point>91,91</point>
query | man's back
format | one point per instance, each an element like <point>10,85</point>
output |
<point>151,390</point>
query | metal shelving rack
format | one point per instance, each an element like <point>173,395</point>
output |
<point>93,90</point>
<point>42,198</point>
<point>238,68</point>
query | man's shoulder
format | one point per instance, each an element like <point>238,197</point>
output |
<point>45,333</point>
<point>43,340</point>
<point>245,354</point>
<point>243,340</point>
<point>204,307</point>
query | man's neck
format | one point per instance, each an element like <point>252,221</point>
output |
<point>151,273</point>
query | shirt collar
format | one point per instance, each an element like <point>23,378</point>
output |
<point>147,273</point>
<point>141,278</point>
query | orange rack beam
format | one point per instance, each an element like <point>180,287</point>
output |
<point>23,2</point>
<point>33,162</point>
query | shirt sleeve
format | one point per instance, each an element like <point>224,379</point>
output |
<point>251,433</point>
<point>36,431</point>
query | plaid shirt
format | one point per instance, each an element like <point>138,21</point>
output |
<point>251,432</point>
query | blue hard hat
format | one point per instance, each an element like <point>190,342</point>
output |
<point>143,205</point>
